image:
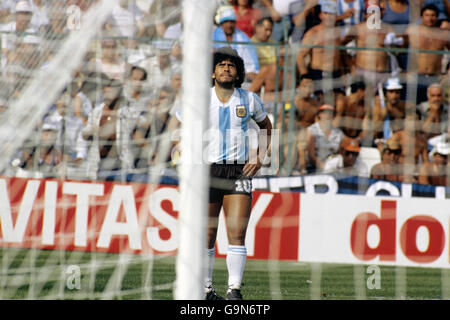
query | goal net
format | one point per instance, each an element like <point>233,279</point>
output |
<point>101,193</point>
<point>88,95</point>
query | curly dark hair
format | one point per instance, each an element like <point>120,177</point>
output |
<point>228,53</point>
<point>235,3</point>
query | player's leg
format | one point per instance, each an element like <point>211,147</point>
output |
<point>214,207</point>
<point>237,209</point>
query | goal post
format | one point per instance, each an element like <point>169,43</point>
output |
<point>193,172</point>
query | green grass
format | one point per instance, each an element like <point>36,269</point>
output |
<point>40,274</point>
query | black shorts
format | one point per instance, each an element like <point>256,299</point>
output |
<point>228,179</point>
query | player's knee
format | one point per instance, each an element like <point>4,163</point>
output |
<point>236,239</point>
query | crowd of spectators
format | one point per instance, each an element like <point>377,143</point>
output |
<point>362,74</point>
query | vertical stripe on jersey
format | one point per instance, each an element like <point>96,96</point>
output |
<point>243,151</point>
<point>224,127</point>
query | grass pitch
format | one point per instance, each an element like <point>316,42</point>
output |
<point>43,274</point>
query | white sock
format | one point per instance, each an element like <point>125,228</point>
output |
<point>236,258</point>
<point>209,267</point>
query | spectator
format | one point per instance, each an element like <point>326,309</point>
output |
<point>442,5</point>
<point>227,31</point>
<point>88,94</point>
<point>42,158</point>
<point>415,148</point>
<point>136,95</point>
<point>125,18</point>
<point>349,13</point>
<point>282,14</point>
<point>17,28</point>
<point>246,16</point>
<point>6,10</point>
<point>351,114</point>
<point>443,137</point>
<point>388,168</point>
<point>397,12</point>
<point>28,53</point>
<point>174,31</point>
<point>57,21</point>
<point>372,66</point>
<point>305,102</point>
<point>347,161</point>
<point>427,35</point>
<point>389,111</point>
<point>434,111</point>
<point>82,105</point>
<point>304,115</point>
<point>445,25</point>
<point>111,62</point>
<point>108,132</point>
<point>40,14</point>
<point>304,15</point>
<point>162,13</point>
<point>159,67</point>
<point>437,172</point>
<point>68,125</point>
<point>322,138</point>
<point>266,57</point>
<point>150,125</point>
<point>324,63</point>
<point>175,85</point>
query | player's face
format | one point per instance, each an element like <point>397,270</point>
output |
<point>225,74</point>
<point>429,18</point>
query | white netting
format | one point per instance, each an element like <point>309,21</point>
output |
<point>89,94</point>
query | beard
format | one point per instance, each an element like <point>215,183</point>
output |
<point>225,84</point>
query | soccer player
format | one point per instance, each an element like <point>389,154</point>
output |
<point>233,164</point>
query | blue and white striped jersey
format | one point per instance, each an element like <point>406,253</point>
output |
<point>229,132</point>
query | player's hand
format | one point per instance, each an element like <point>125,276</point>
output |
<point>252,167</point>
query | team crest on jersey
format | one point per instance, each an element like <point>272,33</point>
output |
<point>241,111</point>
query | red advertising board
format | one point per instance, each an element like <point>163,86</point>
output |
<point>131,217</point>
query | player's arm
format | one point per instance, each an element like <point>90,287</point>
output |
<point>264,138</point>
